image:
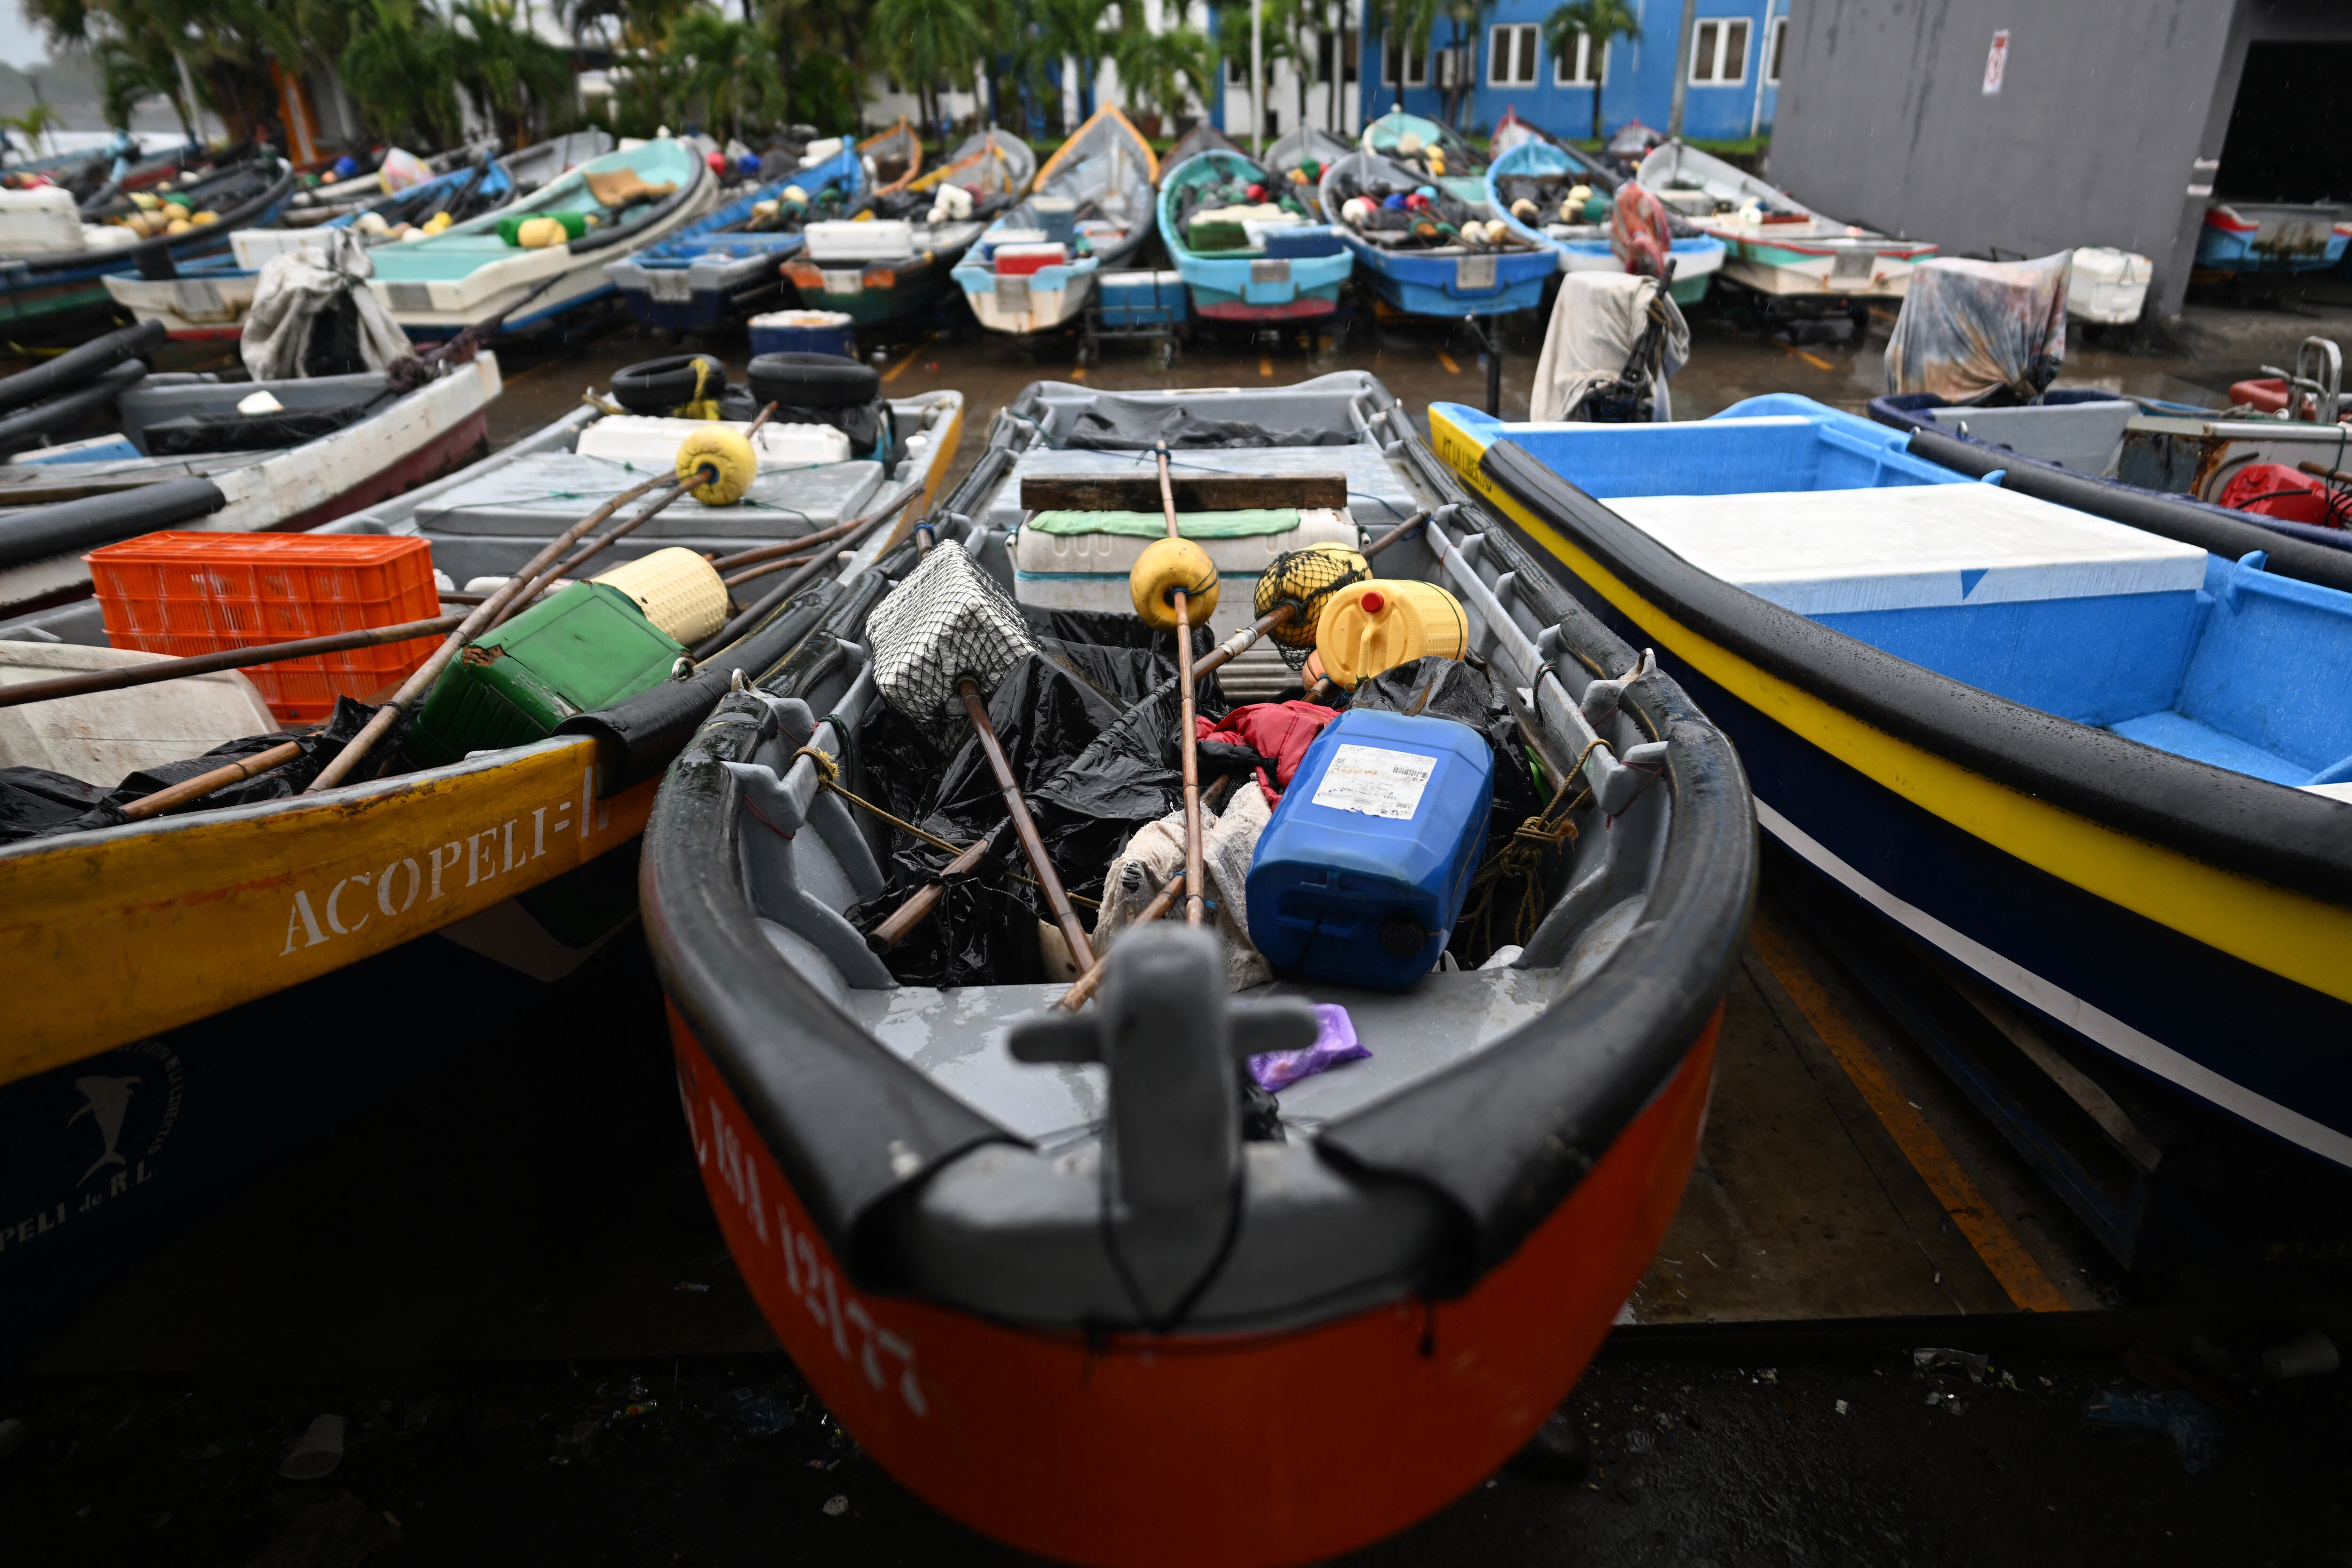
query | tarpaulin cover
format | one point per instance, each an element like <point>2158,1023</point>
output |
<point>295,292</point>
<point>1598,322</point>
<point>1988,332</point>
<point>1246,524</point>
<point>1115,424</point>
<point>35,803</point>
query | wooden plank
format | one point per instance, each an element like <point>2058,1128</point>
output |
<point>1194,492</point>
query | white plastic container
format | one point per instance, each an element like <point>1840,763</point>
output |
<point>1088,571</point>
<point>880,239</point>
<point>38,222</point>
<point>2103,284</point>
<point>650,442</point>
<point>104,736</point>
<point>254,248</point>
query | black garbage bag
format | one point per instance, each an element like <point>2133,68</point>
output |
<point>36,803</point>
<point>192,434</point>
<point>1117,424</point>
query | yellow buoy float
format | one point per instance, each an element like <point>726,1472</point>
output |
<point>1167,567</point>
<point>1367,627</point>
<point>727,452</point>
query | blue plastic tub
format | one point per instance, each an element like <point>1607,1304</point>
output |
<point>1361,873</point>
<point>805,332</point>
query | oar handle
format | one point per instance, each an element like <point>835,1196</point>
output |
<point>1024,828</point>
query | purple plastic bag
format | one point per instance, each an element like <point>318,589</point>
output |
<point>1335,1043</point>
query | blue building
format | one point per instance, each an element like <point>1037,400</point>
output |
<point>1732,72</point>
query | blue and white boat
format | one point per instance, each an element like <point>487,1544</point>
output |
<point>2107,772</point>
<point>1093,198</point>
<point>730,266</point>
<point>2273,237</point>
<point>1453,278</point>
<point>208,297</point>
<point>1292,273</point>
<point>1583,246</point>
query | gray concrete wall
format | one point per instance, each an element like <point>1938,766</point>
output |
<point>2094,139</point>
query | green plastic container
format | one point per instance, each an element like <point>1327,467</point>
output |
<point>587,647</point>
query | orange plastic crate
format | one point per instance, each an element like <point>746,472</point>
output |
<point>185,592</point>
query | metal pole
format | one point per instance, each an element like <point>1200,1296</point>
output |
<point>1257,78</point>
<point>1683,68</point>
<point>1763,54</point>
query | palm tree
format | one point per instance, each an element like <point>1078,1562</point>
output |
<point>1599,20</point>
<point>518,81</point>
<point>1085,31</point>
<point>1166,70</point>
<point>129,75</point>
<point>399,68</point>
<point>729,70</point>
<point>924,42</point>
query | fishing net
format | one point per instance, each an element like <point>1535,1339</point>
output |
<point>1304,580</point>
<point>948,622</point>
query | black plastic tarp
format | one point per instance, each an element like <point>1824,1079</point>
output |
<point>1114,424</point>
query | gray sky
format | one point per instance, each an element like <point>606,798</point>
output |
<point>20,41</point>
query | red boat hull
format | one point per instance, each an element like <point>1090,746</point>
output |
<point>1250,1449</point>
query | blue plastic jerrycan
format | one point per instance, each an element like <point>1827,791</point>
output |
<point>1361,873</point>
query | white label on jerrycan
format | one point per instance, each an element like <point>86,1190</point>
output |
<point>1376,782</point>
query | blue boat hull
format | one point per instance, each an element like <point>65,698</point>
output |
<point>1425,286</point>
<point>1860,805</point>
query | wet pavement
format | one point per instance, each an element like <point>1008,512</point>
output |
<point>507,1280</point>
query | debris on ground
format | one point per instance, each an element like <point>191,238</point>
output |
<point>2175,1412</point>
<point>835,1507</point>
<point>755,1413</point>
<point>1936,1361</point>
<point>577,1443</point>
<point>1558,1451</point>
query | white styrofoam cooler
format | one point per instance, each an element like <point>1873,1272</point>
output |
<point>2103,284</point>
<point>649,441</point>
<point>873,240</point>
<point>40,221</point>
<point>1088,571</point>
<point>256,248</point>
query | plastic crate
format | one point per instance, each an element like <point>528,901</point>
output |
<point>1129,300</point>
<point>184,593</point>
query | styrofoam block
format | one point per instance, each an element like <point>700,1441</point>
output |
<point>649,441</point>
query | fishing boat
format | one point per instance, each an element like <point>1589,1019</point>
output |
<point>171,975</point>
<point>947,1238</point>
<point>2073,757</point>
<point>54,258</point>
<point>2167,466</point>
<point>1430,150</point>
<point>892,157</point>
<point>1781,250</point>
<point>208,298</point>
<point>483,268</point>
<point>111,935</point>
<point>2273,237</point>
<point>897,265</point>
<point>1300,158</point>
<point>728,266</point>
<point>1538,172</point>
<point>1452,259</point>
<point>1092,200</point>
<point>1291,272</point>
<point>190,452</point>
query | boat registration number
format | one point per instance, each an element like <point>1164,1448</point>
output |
<point>843,280</point>
<point>1852,264</point>
<point>1474,274</point>
<point>1270,272</point>
<point>668,286</point>
<point>1013,295</point>
<point>411,296</point>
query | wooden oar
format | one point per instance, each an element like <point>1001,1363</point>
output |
<point>1088,983</point>
<point>1196,908</point>
<point>1024,826</point>
<point>203,785</point>
<point>483,616</point>
<point>209,663</point>
<point>903,921</point>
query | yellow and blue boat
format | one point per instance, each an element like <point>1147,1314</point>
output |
<point>2107,772</point>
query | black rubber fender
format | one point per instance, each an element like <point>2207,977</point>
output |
<point>812,381</point>
<point>26,425</point>
<point>35,533</point>
<point>73,369</point>
<point>658,385</point>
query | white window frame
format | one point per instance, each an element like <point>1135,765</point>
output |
<point>1776,39</point>
<point>1389,55</point>
<point>1586,75</point>
<point>1509,46</point>
<point>1709,41</point>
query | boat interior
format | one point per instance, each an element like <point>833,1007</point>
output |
<point>2090,620</point>
<point>798,885</point>
<point>459,251</point>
